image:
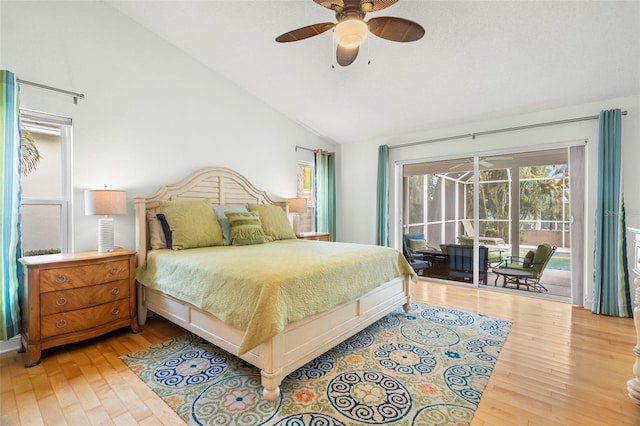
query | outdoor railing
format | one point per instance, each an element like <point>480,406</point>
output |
<point>532,232</point>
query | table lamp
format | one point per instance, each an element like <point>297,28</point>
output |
<point>297,206</point>
<point>105,202</point>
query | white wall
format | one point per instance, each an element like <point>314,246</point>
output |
<point>359,177</point>
<point>151,115</point>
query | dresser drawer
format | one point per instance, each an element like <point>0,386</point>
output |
<point>55,302</point>
<point>81,276</point>
<point>82,319</point>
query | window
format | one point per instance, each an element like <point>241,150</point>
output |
<point>306,189</point>
<point>45,190</point>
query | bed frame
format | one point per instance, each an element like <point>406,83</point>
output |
<point>299,342</point>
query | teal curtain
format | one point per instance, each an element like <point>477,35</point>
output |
<point>9,233</point>
<point>611,276</point>
<point>326,192</point>
<point>382,197</point>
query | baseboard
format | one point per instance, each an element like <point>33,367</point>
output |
<point>12,344</point>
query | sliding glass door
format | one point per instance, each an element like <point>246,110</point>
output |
<point>522,202</point>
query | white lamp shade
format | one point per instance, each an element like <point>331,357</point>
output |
<point>104,202</point>
<point>297,205</point>
<point>350,32</point>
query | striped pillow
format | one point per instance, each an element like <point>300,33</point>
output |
<point>246,228</point>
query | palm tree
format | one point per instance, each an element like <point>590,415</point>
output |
<point>29,154</point>
<point>541,197</point>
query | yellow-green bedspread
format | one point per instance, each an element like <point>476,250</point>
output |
<point>262,288</point>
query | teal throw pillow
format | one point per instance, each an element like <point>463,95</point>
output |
<point>224,222</point>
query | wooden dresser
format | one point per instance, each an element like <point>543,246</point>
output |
<point>75,296</point>
<point>318,236</point>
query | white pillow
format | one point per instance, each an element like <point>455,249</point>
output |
<point>156,234</point>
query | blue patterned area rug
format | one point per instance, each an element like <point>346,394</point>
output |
<point>427,367</point>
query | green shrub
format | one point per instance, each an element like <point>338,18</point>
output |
<point>41,252</point>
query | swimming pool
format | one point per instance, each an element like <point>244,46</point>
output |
<point>559,261</point>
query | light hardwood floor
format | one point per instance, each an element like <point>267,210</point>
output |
<point>560,365</point>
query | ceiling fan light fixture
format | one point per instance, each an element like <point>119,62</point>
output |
<point>350,32</point>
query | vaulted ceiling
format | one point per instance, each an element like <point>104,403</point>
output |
<point>478,60</point>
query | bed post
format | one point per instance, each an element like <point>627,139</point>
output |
<point>407,291</point>
<point>142,309</point>
<point>271,371</point>
<point>140,208</point>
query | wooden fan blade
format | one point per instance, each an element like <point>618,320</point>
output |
<point>335,5</point>
<point>374,5</point>
<point>395,29</point>
<point>304,32</point>
<point>346,55</point>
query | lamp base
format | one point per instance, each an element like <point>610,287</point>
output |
<point>295,222</point>
<point>105,235</point>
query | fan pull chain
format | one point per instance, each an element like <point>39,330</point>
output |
<point>332,53</point>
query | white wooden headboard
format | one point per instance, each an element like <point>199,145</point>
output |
<point>221,185</point>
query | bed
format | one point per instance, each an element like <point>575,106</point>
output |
<point>299,337</point>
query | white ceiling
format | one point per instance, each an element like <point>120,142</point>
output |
<point>478,60</point>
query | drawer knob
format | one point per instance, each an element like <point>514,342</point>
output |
<point>61,301</point>
<point>114,271</point>
<point>115,311</point>
<point>61,323</point>
<point>115,291</point>
<point>59,279</point>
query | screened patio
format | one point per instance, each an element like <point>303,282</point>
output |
<point>523,201</point>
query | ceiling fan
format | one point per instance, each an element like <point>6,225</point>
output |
<point>351,28</point>
<point>485,162</point>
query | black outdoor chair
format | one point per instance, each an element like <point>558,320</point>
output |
<point>461,262</point>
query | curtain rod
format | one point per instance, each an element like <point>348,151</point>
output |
<point>306,149</point>
<point>54,89</point>
<point>506,129</point>
<point>311,150</point>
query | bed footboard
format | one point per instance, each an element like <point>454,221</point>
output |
<point>293,347</point>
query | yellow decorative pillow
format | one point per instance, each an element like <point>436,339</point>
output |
<point>275,222</point>
<point>193,223</point>
<point>245,228</point>
<point>416,245</point>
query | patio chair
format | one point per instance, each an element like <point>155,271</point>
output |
<point>534,263</point>
<point>416,261</point>
<point>487,241</point>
